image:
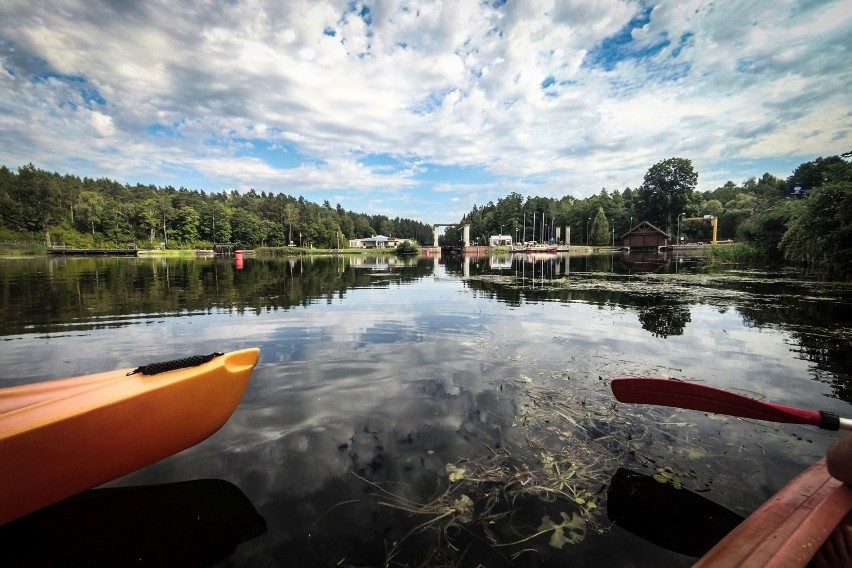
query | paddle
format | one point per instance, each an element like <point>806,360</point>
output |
<point>694,396</point>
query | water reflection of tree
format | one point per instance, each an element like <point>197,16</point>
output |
<point>662,314</point>
<point>49,295</point>
<point>814,334</point>
<point>665,319</point>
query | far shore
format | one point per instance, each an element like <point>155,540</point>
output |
<point>38,251</point>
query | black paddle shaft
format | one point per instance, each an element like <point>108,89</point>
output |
<point>155,368</point>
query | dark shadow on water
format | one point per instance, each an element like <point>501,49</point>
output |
<point>192,523</point>
<point>673,518</point>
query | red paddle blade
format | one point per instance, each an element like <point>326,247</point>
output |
<point>694,396</point>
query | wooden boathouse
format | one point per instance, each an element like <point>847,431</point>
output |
<point>645,236</point>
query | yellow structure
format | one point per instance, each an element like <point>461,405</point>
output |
<point>714,221</point>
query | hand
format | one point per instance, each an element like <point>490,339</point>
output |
<point>839,459</point>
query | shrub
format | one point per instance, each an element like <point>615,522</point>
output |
<point>406,248</point>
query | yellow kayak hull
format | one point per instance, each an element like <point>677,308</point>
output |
<point>61,437</point>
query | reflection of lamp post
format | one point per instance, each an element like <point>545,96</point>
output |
<point>678,227</point>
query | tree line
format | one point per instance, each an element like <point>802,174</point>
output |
<point>88,213</point>
<point>815,229</point>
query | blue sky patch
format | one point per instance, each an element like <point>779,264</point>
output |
<point>454,174</point>
<point>362,10</point>
<point>88,93</point>
<point>433,101</point>
<point>684,39</point>
<point>384,163</point>
<point>161,130</point>
<point>276,154</point>
<point>621,46</point>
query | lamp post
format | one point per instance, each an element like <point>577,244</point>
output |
<point>678,227</point>
<point>589,232</point>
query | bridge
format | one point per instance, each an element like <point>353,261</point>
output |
<point>466,231</point>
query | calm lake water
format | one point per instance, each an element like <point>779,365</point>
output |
<point>435,411</point>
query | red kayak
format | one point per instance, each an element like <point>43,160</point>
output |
<point>787,530</point>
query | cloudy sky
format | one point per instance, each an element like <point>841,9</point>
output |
<point>422,109</point>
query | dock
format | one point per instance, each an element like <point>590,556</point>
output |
<point>64,251</point>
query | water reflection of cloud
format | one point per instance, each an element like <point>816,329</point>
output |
<point>393,383</point>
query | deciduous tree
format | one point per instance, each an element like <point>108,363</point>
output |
<point>820,231</point>
<point>667,190</point>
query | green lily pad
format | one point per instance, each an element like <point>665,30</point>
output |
<point>454,473</point>
<point>570,531</point>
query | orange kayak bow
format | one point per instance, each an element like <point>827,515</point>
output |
<point>59,438</point>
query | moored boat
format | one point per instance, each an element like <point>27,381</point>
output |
<point>58,438</point>
<point>533,247</point>
<point>789,528</point>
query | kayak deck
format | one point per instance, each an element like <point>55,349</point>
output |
<point>787,530</point>
<point>59,438</point>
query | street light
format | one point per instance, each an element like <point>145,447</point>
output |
<point>678,227</point>
<point>589,232</point>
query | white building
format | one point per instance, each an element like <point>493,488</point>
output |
<point>500,241</point>
<point>377,242</point>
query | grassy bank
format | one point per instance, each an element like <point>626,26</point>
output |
<point>12,248</point>
<point>168,252</point>
<point>736,253</point>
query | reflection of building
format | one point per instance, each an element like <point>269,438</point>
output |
<point>376,262</point>
<point>377,242</point>
<point>638,262</point>
<point>645,235</point>
<point>500,262</point>
<point>500,241</point>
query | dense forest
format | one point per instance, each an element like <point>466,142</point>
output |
<point>85,213</point>
<point>815,229</point>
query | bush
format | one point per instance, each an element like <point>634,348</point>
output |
<point>766,228</point>
<point>406,248</point>
<point>820,231</point>
<point>736,253</point>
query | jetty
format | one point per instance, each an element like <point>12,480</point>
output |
<point>93,252</point>
<point>64,250</point>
